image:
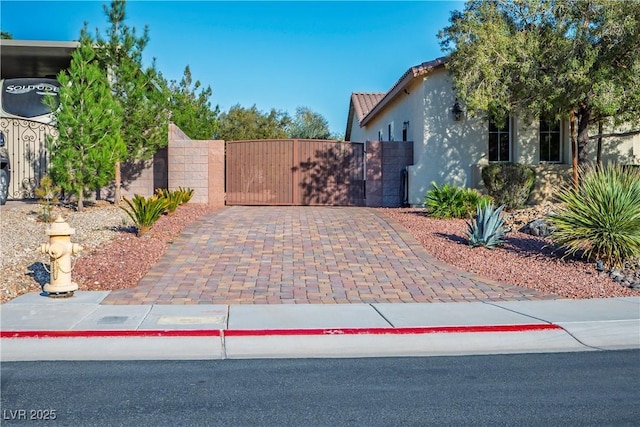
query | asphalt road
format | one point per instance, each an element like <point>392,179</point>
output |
<point>595,388</point>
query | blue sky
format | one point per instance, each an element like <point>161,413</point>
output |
<point>273,54</point>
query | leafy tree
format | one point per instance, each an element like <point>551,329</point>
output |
<point>550,57</point>
<point>308,124</point>
<point>5,35</point>
<point>88,121</point>
<point>191,111</point>
<point>338,136</point>
<point>241,123</point>
<point>143,100</point>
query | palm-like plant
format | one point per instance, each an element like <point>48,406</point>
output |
<point>601,218</point>
<point>185,194</point>
<point>144,212</point>
<point>173,198</point>
<point>450,201</point>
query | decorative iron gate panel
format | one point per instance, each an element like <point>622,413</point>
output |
<point>295,172</point>
<point>26,144</point>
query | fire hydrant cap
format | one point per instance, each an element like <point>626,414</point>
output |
<point>60,228</point>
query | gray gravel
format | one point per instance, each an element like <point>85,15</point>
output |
<point>22,233</point>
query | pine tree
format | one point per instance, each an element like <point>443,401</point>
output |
<point>191,111</point>
<point>88,120</point>
<point>139,92</point>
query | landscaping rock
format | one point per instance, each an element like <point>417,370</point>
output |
<point>629,276</point>
<point>520,218</point>
<point>616,275</point>
<point>538,227</point>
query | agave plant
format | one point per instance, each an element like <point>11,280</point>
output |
<point>144,212</point>
<point>487,229</point>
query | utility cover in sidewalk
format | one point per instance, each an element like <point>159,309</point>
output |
<point>184,320</point>
<point>112,320</point>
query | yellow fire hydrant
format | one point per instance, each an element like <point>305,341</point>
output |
<point>60,250</point>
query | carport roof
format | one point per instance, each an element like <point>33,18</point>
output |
<point>34,58</point>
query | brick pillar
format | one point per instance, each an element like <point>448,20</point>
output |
<point>216,174</point>
<point>198,165</point>
<point>189,167</point>
<point>395,157</point>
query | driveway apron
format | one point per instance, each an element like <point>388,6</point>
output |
<point>305,255</point>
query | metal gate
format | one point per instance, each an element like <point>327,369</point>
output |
<point>26,144</point>
<point>295,172</point>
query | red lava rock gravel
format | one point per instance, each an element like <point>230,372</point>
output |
<point>524,260</point>
<point>114,258</point>
<point>127,258</point>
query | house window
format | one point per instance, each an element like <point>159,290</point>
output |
<point>550,147</point>
<point>405,130</point>
<point>391,130</point>
<point>499,142</point>
<point>380,135</point>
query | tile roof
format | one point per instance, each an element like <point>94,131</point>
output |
<point>363,102</point>
<point>365,105</point>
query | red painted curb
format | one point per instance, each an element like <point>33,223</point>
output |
<point>279,332</point>
<point>419,330</point>
<point>111,333</point>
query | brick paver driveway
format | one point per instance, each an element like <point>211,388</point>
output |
<point>273,255</point>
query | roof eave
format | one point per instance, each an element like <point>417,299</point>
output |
<point>347,133</point>
<point>401,84</point>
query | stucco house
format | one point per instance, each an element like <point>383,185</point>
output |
<point>451,147</point>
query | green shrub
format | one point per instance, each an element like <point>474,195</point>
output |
<point>509,184</point>
<point>487,229</point>
<point>601,218</point>
<point>450,201</point>
<point>144,212</point>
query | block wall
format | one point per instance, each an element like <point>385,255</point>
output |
<point>197,164</point>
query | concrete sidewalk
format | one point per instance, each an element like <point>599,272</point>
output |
<point>35,327</point>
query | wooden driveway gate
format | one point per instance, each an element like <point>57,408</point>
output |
<point>295,172</point>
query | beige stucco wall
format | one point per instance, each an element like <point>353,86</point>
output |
<point>448,148</point>
<point>449,151</point>
<point>405,107</point>
<point>624,150</point>
<point>358,134</point>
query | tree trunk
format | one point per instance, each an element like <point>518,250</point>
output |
<point>574,148</point>
<point>584,115</point>
<point>599,152</point>
<point>81,200</point>
<point>117,192</point>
